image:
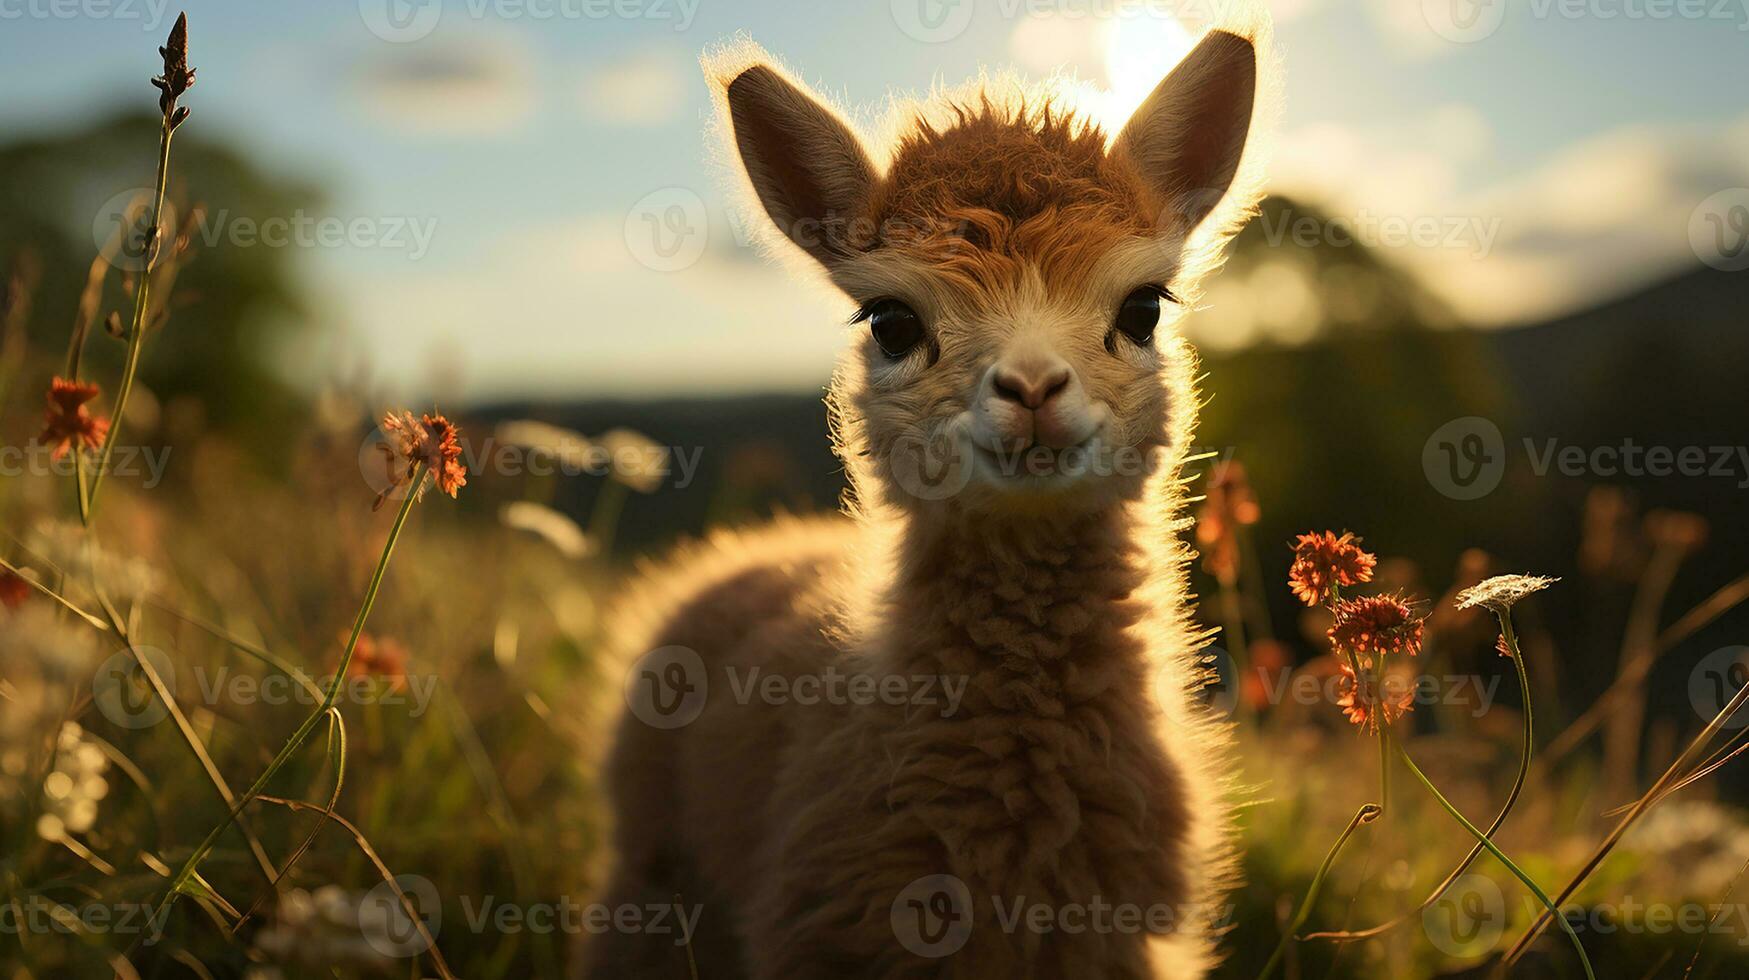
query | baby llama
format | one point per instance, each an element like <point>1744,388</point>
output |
<point>956,732</point>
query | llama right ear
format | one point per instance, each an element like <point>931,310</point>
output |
<point>808,168</point>
<point>1186,139</point>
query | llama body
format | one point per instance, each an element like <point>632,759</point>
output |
<point>954,734</point>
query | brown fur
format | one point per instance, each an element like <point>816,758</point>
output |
<point>1079,768</point>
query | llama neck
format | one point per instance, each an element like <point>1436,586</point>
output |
<point>1039,617</point>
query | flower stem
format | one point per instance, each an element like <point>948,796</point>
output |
<point>1500,856</point>
<point>1493,828</point>
<point>137,329</point>
<point>1644,803</point>
<point>303,732</point>
<point>1367,813</point>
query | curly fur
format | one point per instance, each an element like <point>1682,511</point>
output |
<point>1079,768</point>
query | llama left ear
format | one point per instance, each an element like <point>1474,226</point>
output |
<point>804,162</point>
<point>1186,139</point>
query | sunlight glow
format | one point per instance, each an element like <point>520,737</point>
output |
<point>1139,51</point>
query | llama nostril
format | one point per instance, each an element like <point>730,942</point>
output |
<point>1030,391</point>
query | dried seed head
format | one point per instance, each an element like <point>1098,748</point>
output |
<point>1500,592</point>
<point>178,77</point>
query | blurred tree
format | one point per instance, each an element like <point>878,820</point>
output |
<point>231,308</point>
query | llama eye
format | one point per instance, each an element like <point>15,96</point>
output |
<point>896,328</point>
<point>1139,314</point>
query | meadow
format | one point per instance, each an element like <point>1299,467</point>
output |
<point>338,714</point>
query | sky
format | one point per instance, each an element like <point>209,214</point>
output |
<point>528,198</point>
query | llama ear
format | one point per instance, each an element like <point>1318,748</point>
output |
<point>1187,137</point>
<point>808,168</point>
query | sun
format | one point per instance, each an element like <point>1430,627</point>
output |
<point>1139,50</point>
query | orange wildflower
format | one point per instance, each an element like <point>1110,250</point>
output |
<point>378,657</point>
<point>1366,705</point>
<point>1322,561</point>
<point>431,441</point>
<point>1378,624</point>
<point>1228,505</point>
<point>70,425</point>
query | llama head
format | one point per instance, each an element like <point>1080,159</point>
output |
<point>1016,273</point>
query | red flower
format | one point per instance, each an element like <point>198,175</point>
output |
<point>1378,624</point>
<point>13,590</point>
<point>1228,505</point>
<point>1366,705</point>
<point>1322,561</point>
<point>379,657</point>
<point>445,455</point>
<point>69,424</point>
<point>431,441</point>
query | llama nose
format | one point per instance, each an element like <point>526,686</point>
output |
<point>1031,385</point>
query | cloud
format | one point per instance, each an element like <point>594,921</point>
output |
<point>1598,218</point>
<point>481,86</point>
<point>646,88</point>
<point>569,310</point>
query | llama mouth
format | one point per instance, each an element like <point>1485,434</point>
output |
<point>1040,466</point>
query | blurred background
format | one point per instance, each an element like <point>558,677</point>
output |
<point>1491,317</point>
